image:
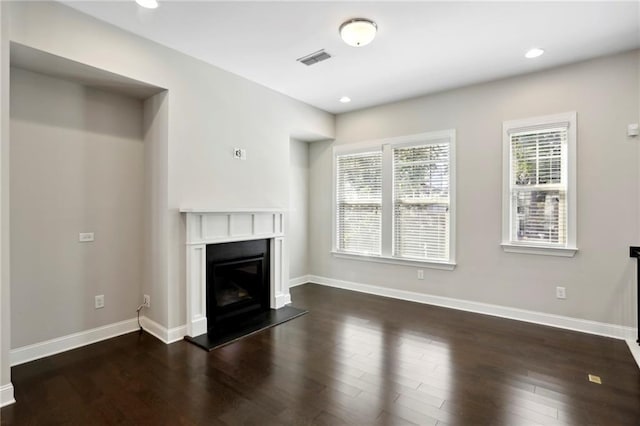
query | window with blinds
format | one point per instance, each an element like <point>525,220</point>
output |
<point>359,203</point>
<point>539,186</point>
<point>421,202</point>
<point>395,200</point>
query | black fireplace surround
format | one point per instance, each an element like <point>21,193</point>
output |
<point>237,283</point>
<point>238,294</point>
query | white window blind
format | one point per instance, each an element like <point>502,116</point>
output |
<point>359,203</point>
<point>539,186</point>
<point>421,202</point>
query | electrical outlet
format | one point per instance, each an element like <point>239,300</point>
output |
<point>146,301</point>
<point>420,274</point>
<point>561,293</point>
<point>100,301</point>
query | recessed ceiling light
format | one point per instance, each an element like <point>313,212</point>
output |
<point>358,32</point>
<point>534,53</point>
<point>149,4</point>
<point>345,99</point>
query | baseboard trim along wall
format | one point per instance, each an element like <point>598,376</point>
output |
<point>293,282</point>
<point>6,395</point>
<point>166,335</point>
<point>72,341</point>
<point>634,347</point>
<point>170,335</point>
<point>61,344</point>
<point>568,323</point>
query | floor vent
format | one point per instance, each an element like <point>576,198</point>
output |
<point>314,58</point>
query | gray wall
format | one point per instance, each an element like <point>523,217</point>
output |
<point>156,244</point>
<point>298,209</point>
<point>5,288</point>
<point>77,165</point>
<point>208,112</point>
<point>600,279</point>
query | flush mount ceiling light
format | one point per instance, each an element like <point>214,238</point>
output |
<point>345,99</point>
<point>358,32</point>
<point>534,53</point>
<point>148,4</point>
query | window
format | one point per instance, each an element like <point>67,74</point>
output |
<point>359,202</point>
<point>394,200</point>
<point>421,202</point>
<point>539,185</point>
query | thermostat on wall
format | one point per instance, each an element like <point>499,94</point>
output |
<point>632,129</point>
<point>239,153</point>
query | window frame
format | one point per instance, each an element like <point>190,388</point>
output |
<point>387,220</point>
<point>568,120</point>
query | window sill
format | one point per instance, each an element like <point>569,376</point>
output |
<point>541,250</point>
<point>446,266</point>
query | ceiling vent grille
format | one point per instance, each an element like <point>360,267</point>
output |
<point>314,58</point>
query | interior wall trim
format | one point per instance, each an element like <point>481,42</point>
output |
<point>303,279</point>
<point>6,395</point>
<point>71,341</point>
<point>567,323</point>
<point>162,333</point>
<point>47,348</point>
<point>634,347</point>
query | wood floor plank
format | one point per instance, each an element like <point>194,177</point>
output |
<point>354,359</point>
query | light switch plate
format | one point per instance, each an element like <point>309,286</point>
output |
<point>85,237</point>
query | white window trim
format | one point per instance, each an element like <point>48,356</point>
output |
<point>568,119</point>
<point>447,266</point>
<point>385,146</point>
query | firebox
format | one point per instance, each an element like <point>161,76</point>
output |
<point>237,284</point>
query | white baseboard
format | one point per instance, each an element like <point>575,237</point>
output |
<point>634,347</point>
<point>293,282</point>
<point>166,335</point>
<point>6,395</point>
<point>61,344</point>
<point>568,323</point>
<point>282,299</point>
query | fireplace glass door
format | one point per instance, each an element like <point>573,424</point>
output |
<point>237,283</point>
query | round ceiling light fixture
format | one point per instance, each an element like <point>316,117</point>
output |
<point>148,4</point>
<point>345,99</point>
<point>358,32</point>
<point>534,53</point>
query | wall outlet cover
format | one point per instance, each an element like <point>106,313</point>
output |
<point>99,301</point>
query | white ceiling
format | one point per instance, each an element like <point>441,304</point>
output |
<point>421,47</point>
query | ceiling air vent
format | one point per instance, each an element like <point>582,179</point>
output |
<point>314,58</point>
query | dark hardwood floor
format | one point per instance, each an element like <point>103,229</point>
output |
<point>354,359</point>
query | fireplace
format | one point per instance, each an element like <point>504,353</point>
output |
<point>237,274</point>
<point>209,227</point>
<point>237,289</point>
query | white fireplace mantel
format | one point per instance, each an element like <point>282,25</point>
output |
<point>208,226</point>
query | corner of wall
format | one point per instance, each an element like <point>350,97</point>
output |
<point>6,388</point>
<point>156,210</point>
